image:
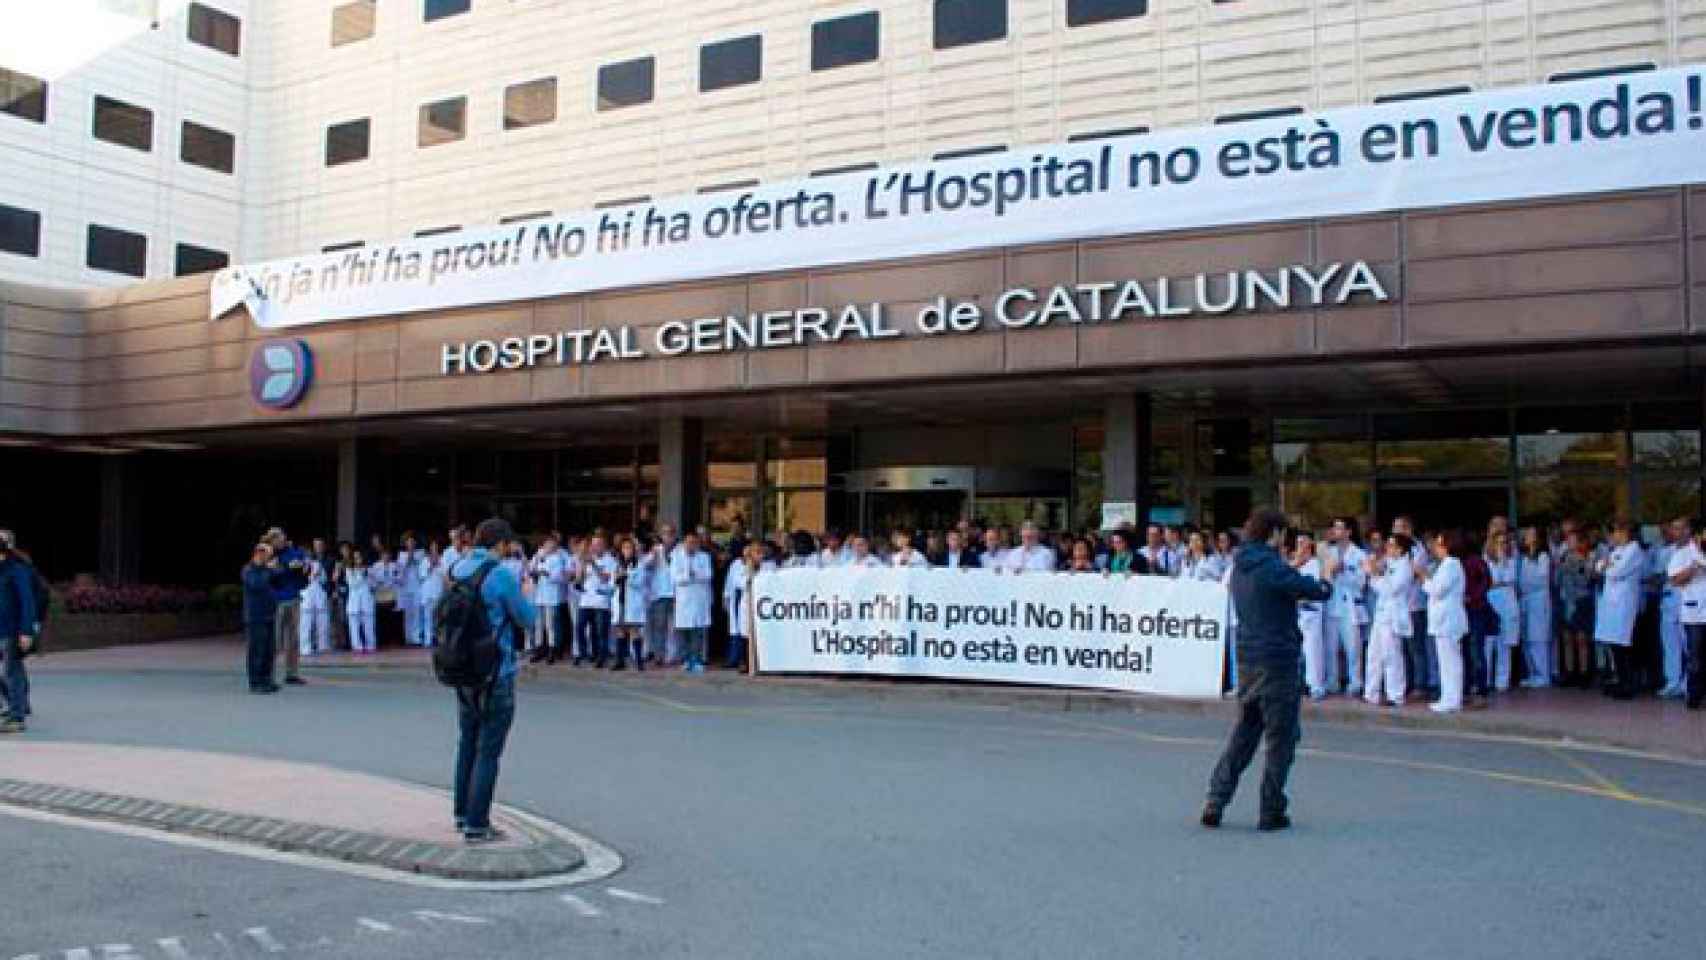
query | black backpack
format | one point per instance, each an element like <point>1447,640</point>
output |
<point>468,652</point>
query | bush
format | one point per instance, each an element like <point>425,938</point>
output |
<point>225,598</point>
<point>87,598</point>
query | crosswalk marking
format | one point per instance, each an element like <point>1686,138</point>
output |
<point>377,926</point>
<point>633,897</point>
<point>173,948</point>
<point>429,916</point>
<point>264,939</point>
<point>581,906</point>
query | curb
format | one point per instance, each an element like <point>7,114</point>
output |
<point>545,855</point>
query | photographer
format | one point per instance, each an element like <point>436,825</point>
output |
<point>292,578</point>
<point>17,632</point>
<point>260,611</point>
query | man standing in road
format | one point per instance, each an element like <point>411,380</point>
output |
<point>17,627</point>
<point>291,580</point>
<point>260,616</point>
<point>1265,593</point>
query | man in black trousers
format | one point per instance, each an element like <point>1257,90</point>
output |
<point>1265,593</point>
<point>260,606</point>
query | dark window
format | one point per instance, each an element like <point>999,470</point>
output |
<point>1107,134</point>
<point>969,152</point>
<point>119,251</point>
<point>1259,115</point>
<point>353,21</point>
<point>1421,94</point>
<point>524,217</point>
<point>623,202</point>
<point>1083,12</point>
<point>20,231</point>
<point>626,84</point>
<point>215,28</point>
<point>22,95</point>
<point>439,9</point>
<point>193,259</point>
<point>844,41</point>
<point>530,104</point>
<point>1598,72</point>
<point>959,22</point>
<point>730,63</point>
<point>731,185</point>
<point>339,247</point>
<point>845,168</point>
<point>435,231</point>
<point>123,123</point>
<point>207,147</point>
<point>444,121</point>
<point>347,142</point>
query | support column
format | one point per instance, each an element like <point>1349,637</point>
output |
<point>121,519</point>
<point>681,471</point>
<point>1126,452</point>
<point>358,489</point>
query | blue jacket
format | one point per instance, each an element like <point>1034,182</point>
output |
<point>1265,591</point>
<point>289,583</point>
<point>260,594</point>
<point>510,614</point>
<point>17,599</point>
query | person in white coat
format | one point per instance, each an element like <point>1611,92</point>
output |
<point>1679,535</point>
<point>1309,619</point>
<point>1390,577</point>
<point>314,630</point>
<point>597,596</point>
<point>1687,574</point>
<point>904,554</point>
<point>1031,555</point>
<point>860,554</point>
<point>360,608</point>
<point>631,603</point>
<point>409,591</point>
<point>1502,597</point>
<point>1341,630</point>
<point>430,570</point>
<point>1534,595</point>
<point>1619,604</point>
<point>546,573</point>
<point>691,571</point>
<point>1448,621</point>
<point>1200,563</point>
<point>737,597</point>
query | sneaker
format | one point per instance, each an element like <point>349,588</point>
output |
<point>487,835</point>
<point>1271,822</point>
<point>1210,815</point>
<point>13,725</point>
<point>1442,708</point>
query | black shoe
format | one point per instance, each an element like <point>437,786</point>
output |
<point>296,681</point>
<point>1273,821</point>
<point>488,835</point>
<point>1210,816</point>
<point>576,662</point>
<point>619,665</point>
<point>269,688</point>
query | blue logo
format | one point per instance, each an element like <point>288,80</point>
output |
<point>279,373</point>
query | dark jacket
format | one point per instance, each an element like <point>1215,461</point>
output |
<point>1265,591</point>
<point>292,577</point>
<point>1128,562</point>
<point>968,559</point>
<point>260,597</point>
<point>17,599</point>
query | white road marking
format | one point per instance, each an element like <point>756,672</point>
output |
<point>173,948</point>
<point>633,897</point>
<point>581,906</point>
<point>601,861</point>
<point>264,939</point>
<point>79,953</point>
<point>377,926</point>
<point>430,916</point>
<point>119,951</point>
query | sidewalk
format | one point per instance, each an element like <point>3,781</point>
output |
<point>1654,726</point>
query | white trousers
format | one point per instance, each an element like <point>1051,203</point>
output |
<point>413,622</point>
<point>1538,656</point>
<point>544,632</point>
<point>361,632</point>
<point>1315,658</point>
<point>1344,635</point>
<point>1673,640</point>
<point>1450,652</point>
<point>1385,663</point>
<point>314,632</point>
<point>1498,658</point>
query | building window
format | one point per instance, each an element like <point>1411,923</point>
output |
<point>626,84</point>
<point>443,121</point>
<point>731,185</point>
<point>1107,134</point>
<point>530,104</point>
<point>964,152</point>
<point>192,259</point>
<point>215,28</point>
<point>439,9</point>
<point>844,41</point>
<point>340,247</point>
<point>435,231</point>
<point>22,95</point>
<point>20,231</point>
<point>962,22</point>
<point>1420,94</point>
<point>123,123</point>
<point>118,251</point>
<point>1080,13</point>
<point>1249,115</point>
<point>622,202</point>
<point>353,21</point>
<point>347,142</point>
<point>1598,72</point>
<point>207,147</point>
<point>730,63</point>
<point>845,168</point>
<point>524,217</point>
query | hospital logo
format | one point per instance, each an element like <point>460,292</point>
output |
<point>279,373</point>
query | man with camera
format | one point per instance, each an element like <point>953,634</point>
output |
<point>18,622</point>
<point>292,566</point>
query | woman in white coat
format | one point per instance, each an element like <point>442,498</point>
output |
<point>1534,595</point>
<point>359,607</point>
<point>430,570</point>
<point>545,572</point>
<point>1390,577</point>
<point>1502,596</point>
<point>314,631</point>
<point>737,595</point>
<point>1619,604</point>
<point>632,602</point>
<point>1309,620</point>
<point>691,570</point>
<point>1448,621</point>
<point>409,590</point>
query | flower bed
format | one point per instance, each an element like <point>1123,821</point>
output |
<point>87,615</point>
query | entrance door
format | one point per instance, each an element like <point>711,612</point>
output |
<point>913,510</point>
<point>1444,504</point>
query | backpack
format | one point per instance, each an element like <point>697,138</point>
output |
<point>468,651</point>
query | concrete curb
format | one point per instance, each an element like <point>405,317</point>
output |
<point>544,856</point>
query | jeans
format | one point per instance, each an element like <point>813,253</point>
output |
<point>260,653</point>
<point>484,716</point>
<point>660,617</point>
<point>592,633</point>
<point>1269,698</point>
<point>17,682</point>
<point>737,652</point>
<point>1475,656</point>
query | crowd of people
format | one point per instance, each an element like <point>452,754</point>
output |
<point>1453,615</point>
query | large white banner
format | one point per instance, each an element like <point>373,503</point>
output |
<point>1137,634</point>
<point>1614,133</point>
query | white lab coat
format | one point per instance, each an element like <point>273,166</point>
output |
<point>314,594</point>
<point>1620,597</point>
<point>1348,584</point>
<point>1392,623</point>
<point>634,595</point>
<point>431,575</point>
<point>598,583</point>
<point>408,576</point>
<point>1316,671</point>
<point>1534,593</point>
<point>1392,597</point>
<point>1206,568</point>
<point>993,559</point>
<point>909,558</point>
<point>691,576</point>
<point>1447,618</point>
<point>736,586</point>
<point>360,583</point>
<point>549,577</point>
<point>1503,598</point>
<point>1692,609</point>
<point>1021,559</point>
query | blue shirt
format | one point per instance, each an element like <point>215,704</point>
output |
<point>508,612</point>
<point>288,584</point>
<point>18,614</point>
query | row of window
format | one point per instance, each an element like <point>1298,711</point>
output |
<point>109,248</point>
<point>121,123</point>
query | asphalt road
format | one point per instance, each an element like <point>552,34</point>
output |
<point>789,824</point>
